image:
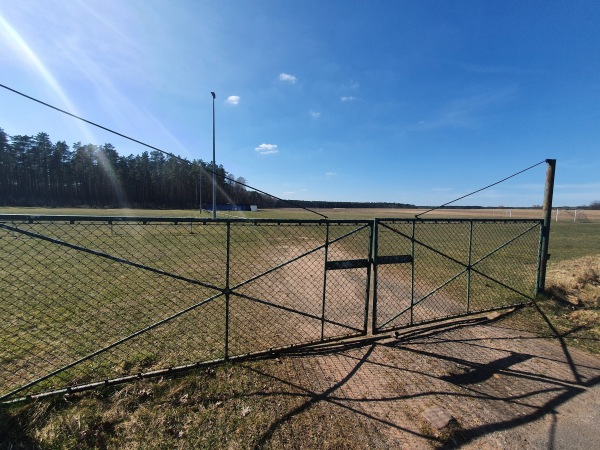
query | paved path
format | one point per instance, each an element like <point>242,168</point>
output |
<point>504,388</point>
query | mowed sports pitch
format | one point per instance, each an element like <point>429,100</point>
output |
<point>66,290</point>
<point>564,215</point>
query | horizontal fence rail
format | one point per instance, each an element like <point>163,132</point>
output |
<point>89,301</point>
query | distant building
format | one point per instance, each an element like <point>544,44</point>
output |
<point>230,207</point>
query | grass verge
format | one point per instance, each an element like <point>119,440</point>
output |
<point>571,305</point>
<point>249,405</point>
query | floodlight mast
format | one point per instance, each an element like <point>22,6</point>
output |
<point>214,167</point>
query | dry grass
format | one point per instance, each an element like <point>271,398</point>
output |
<point>575,285</point>
<point>332,213</point>
<point>571,308</point>
<point>576,281</point>
<point>454,213</point>
<point>248,405</point>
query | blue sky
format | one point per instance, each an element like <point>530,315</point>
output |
<point>400,101</point>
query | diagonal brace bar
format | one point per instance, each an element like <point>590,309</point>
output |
<point>109,257</point>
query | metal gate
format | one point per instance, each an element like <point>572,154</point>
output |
<point>428,270</point>
<point>89,301</point>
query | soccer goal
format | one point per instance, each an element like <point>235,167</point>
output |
<point>570,215</point>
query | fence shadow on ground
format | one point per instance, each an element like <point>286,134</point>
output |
<point>489,378</point>
<point>495,381</point>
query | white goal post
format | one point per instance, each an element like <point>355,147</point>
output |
<point>567,215</point>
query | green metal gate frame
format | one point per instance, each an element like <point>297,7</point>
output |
<point>405,230</point>
<point>16,226</point>
<point>338,267</point>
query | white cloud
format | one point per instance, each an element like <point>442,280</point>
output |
<point>267,149</point>
<point>348,98</point>
<point>287,77</point>
<point>330,174</point>
<point>233,99</point>
<point>314,114</point>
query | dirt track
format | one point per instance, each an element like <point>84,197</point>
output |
<point>504,388</point>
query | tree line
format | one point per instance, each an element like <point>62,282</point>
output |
<point>34,171</point>
<point>342,205</point>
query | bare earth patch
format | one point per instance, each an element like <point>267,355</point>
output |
<point>504,389</point>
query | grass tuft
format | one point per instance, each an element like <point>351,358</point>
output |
<point>571,304</point>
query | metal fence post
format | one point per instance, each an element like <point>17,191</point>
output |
<point>369,269</point>
<point>374,251</point>
<point>324,281</point>
<point>547,210</point>
<point>412,271</point>
<point>227,290</point>
<point>469,266</point>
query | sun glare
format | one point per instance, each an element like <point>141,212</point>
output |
<point>24,50</point>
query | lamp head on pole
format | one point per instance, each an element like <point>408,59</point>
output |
<point>213,95</point>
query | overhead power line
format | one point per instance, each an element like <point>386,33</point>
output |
<point>137,141</point>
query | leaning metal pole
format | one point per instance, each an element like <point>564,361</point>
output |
<point>547,210</point>
<point>214,167</point>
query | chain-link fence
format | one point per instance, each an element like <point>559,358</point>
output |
<point>87,301</point>
<point>433,269</point>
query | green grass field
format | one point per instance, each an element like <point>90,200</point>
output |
<point>130,297</point>
<point>573,240</point>
<point>123,292</point>
<point>568,239</point>
<point>155,411</point>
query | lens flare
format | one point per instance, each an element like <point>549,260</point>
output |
<point>22,49</point>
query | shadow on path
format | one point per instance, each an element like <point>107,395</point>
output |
<point>489,378</point>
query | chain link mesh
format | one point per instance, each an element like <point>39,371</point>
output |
<point>92,299</point>
<point>452,267</point>
<point>87,299</point>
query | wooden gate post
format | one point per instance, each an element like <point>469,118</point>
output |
<point>547,210</point>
